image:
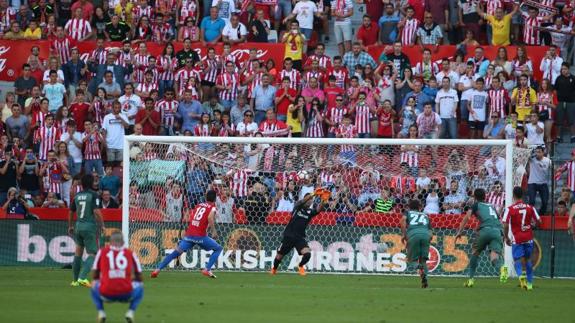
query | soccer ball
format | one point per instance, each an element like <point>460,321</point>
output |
<point>303,175</point>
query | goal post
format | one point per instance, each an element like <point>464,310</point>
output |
<point>259,178</point>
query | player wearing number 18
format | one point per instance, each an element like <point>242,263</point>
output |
<point>88,227</point>
<point>417,235</point>
<point>203,219</point>
<point>490,234</point>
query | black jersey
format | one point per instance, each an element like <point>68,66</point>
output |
<point>300,218</point>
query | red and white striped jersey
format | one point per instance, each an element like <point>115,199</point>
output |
<point>545,97</point>
<point>408,32</point>
<point>498,100</point>
<point>150,155</point>
<point>341,76</point>
<point>497,200</point>
<point>349,131</point>
<point>492,5</point>
<point>141,64</point>
<point>182,77</point>
<point>161,32</point>
<point>138,12</point>
<point>530,33</point>
<point>53,179</point>
<point>239,182</point>
<point>146,87</point>
<point>190,32</point>
<point>319,75</point>
<point>488,79</point>
<point>326,178</point>
<point>92,144</point>
<point>6,17</point>
<point>275,128</point>
<point>568,167</point>
<point>294,76</point>
<point>46,137</point>
<point>99,55</point>
<point>194,89</point>
<point>362,115</point>
<point>38,117</point>
<point>168,110</point>
<point>211,68</point>
<point>426,69</point>
<point>410,157</point>
<point>78,28</point>
<point>232,80</point>
<point>188,9</point>
<point>282,178</point>
<point>229,58</point>
<point>314,128</point>
<point>403,184</point>
<point>547,3</point>
<point>335,115</point>
<point>247,65</point>
<point>62,47</point>
<point>123,57</point>
<point>204,130</point>
<point>101,108</point>
<point>323,60</point>
<point>257,80</point>
<point>168,66</point>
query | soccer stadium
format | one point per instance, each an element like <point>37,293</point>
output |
<point>287,161</point>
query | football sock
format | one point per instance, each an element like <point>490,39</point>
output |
<point>304,259</point>
<point>423,266</point>
<point>76,266</point>
<point>529,269</point>
<point>518,268</point>
<point>87,266</point>
<point>277,263</point>
<point>214,257</point>
<point>137,295</point>
<point>94,291</point>
<point>473,265</point>
<point>175,254</point>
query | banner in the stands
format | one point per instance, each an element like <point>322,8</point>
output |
<point>14,53</point>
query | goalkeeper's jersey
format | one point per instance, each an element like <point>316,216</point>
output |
<point>300,218</point>
<point>84,205</point>
<point>417,223</point>
<point>486,215</point>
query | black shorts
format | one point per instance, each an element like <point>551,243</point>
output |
<point>477,125</point>
<point>288,243</point>
<point>208,83</point>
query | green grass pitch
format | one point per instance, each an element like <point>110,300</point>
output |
<point>43,295</point>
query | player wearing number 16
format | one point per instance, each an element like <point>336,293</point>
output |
<point>417,235</point>
<point>489,235</point>
<point>520,219</point>
<point>203,219</point>
<point>89,224</point>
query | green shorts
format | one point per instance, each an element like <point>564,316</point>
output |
<point>489,237</point>
<point>89,239</point>
<point>418,247</point>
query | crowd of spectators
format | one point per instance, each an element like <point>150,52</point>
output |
<point>67,115</point>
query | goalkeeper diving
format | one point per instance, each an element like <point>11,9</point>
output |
<point>294,233</point>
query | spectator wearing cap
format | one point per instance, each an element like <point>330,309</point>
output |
<point>211,27</point>
<point>119,72</point>
<point>368,32</point>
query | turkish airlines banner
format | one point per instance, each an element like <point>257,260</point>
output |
<point>13,54</point>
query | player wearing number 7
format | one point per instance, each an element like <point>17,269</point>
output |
<point>416,229</point>
<point>489,235</point>
<point>520,219</point>
<point>203,219</point>
<point>89,223</point>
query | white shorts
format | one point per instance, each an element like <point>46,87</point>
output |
<point>342,32</point>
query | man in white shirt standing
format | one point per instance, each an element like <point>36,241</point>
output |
<point>247,127</point>
<point>478,99</point>
<point>130,103</point>
<point>234,32</point>
<point>114,126</point>
<point>74,141</point>
<point>539,174</point>
<point>495,166</point>
<point>447,72</point>
<point>561,36</point>
<point>535,131</point>
<point>225,9</point>
<point>446,103</point>
<point>304,11</point>
<point>551,64</point>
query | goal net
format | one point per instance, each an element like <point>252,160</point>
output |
<point>258,180</point>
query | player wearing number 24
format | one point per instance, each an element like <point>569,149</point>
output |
<point>87,230</point>
<point>203,219</point>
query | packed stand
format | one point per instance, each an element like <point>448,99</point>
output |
<point>68,114</point>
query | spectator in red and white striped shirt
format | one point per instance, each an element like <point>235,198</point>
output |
<point>53,171</point>
<point>143,89</point>
<point>347,130</point>
<point>362,113</point>
<point>168,64</point>
<point>531,32</point>
<point>227,84</point>
<point>184,74</point>
<point>211,67</point>
<point>92,152</point>
<point>62,45</point>
<point>168,108</point>
<point>290,72</point>
<point>496,197</point>
<point>46,137</point>
<point>498,99</point>
<point>79,28</point>
<point>568,167</point>
<point>408,27</point>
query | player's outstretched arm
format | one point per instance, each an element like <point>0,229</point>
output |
<point>463,224</point>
